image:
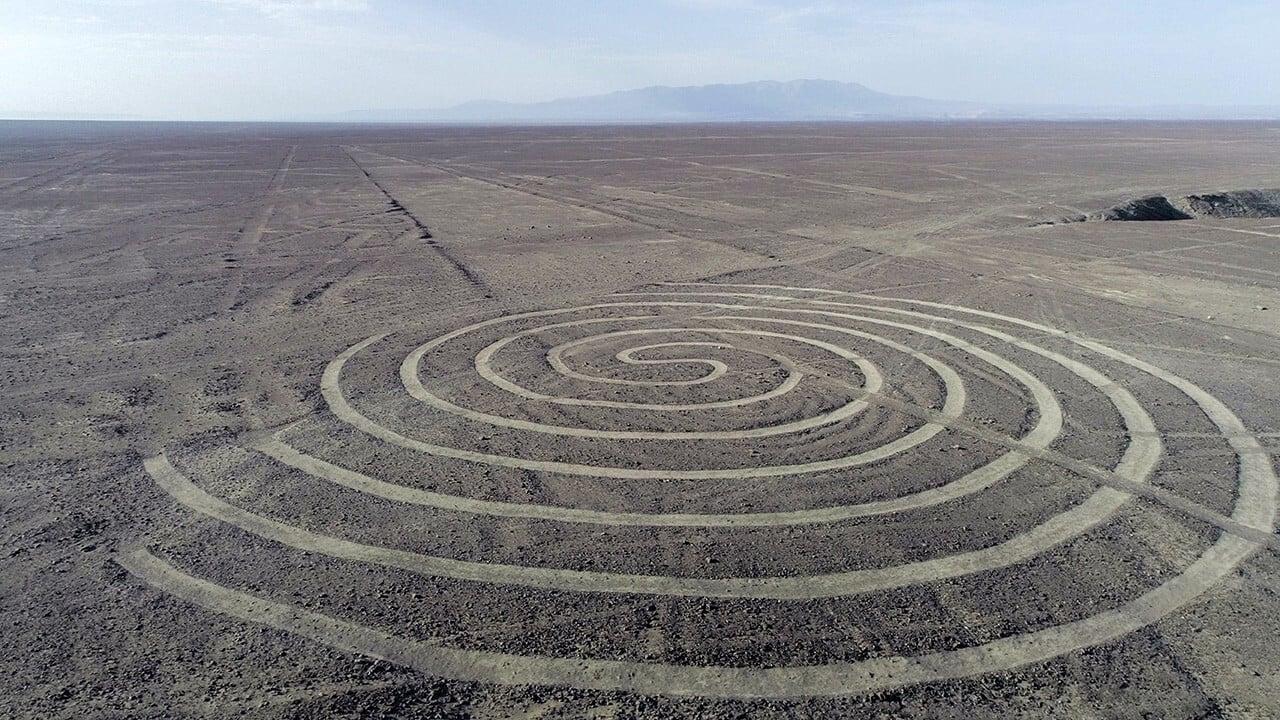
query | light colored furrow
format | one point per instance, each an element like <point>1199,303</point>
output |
<point>1058,529</point>
<point>972,482</point>
<point>954,402</point>
<point>1248,529</point>
<point>873,382</point>
<point>865,676</point>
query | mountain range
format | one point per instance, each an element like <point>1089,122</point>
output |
<point>795,100</point>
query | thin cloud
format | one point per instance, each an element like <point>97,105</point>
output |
<point>285,8</point>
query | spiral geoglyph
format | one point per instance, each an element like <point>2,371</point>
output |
<point>762,391</point>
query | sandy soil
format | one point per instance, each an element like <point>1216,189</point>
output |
<point>690,421</point>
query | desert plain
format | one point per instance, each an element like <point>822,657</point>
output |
<point>743,420</point>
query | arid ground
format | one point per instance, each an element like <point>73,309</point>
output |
<point>689,421</point>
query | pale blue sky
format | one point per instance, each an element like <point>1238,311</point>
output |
<point>297,59</point>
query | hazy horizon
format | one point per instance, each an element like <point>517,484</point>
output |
<point>317,59</point>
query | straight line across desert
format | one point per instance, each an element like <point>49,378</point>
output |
<point>760,416</point>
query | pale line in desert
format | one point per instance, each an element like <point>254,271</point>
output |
<point>1116,395</point>
<point>628,356</point>
<point>482,361</point>
<point>687,680</point>
<point>979,479</point>
<point>1145,445</point>
<point>1140,459</point>
<point>1247,445</point>
<point>794,376</point>
<point>1064,526</point>
<point>1138,424</point>
<point>872,385</point>
<point>338,404</point>
<point>555,358</point>
<point>331,390</point>
<point>483,364</point>
<point>409,370</point>
<point>1255,506</point>
<point>1257,514</point>
<point>1047,428</point>
<point>1144,450</point>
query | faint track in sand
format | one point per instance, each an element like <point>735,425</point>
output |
<point>424,234</point>
<point>250,237</point>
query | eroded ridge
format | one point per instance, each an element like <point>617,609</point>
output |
<point>680,339</point>
<point>1254,203</point>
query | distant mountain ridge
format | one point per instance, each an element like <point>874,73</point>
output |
<point>764,100</point>
<point>767,100</point>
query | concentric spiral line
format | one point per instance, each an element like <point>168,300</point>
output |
<point>555,358</point>
<point>979,479</point>
<point>1255,510</point>
<point>848,410</point>
<point>705,681</point>
<point>1022,547</point>
<point>1138,462</point>
<point>338,404</point>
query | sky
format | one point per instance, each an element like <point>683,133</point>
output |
<point>311,59</point>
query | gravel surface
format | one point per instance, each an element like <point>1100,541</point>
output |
<point>650,422</point>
